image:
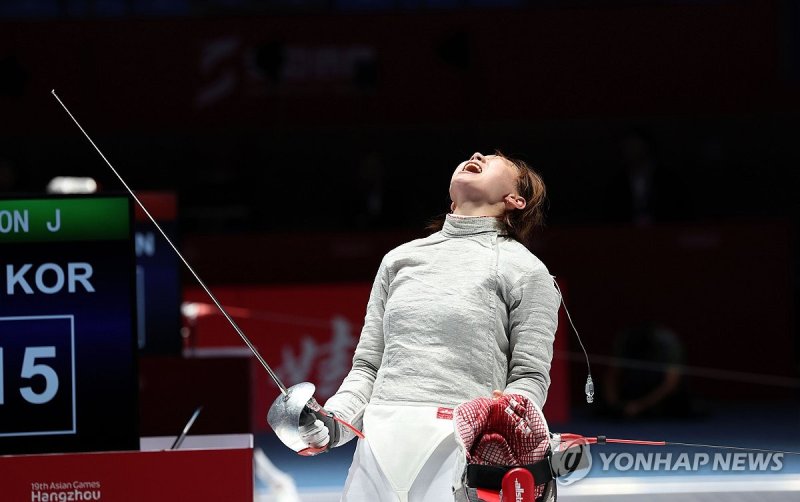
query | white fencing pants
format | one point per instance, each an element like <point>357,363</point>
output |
<point>409,455</point>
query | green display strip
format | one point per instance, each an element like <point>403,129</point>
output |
<point>47,220</point>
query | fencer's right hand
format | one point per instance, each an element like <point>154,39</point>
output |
<point>313,431</point>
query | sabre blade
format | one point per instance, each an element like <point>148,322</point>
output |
<point>724,447</point>
<point>602,440</point>
<point>238,330</point>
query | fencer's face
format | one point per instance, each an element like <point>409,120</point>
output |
<point>483,180</point>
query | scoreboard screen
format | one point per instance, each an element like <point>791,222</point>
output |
<point>68,373</point>
<point>158,280</point>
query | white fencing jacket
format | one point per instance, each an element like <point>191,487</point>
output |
<point>452,317</point>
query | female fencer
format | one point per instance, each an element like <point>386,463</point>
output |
<point>459,314</point>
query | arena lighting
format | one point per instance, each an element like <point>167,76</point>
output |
<point>71,185</point>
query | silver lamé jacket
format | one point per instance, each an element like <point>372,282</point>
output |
<point>452,317</point>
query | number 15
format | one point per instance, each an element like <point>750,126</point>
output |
<point>29,370</point>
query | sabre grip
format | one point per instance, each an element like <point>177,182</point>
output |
<point>333,427</point>
<point>307,418</point>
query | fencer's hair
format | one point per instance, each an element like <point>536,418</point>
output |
<point>520,224</point>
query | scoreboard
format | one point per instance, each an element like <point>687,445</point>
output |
<point>68,375</point>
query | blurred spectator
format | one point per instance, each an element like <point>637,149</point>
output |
<point>647,380</point>
<point>642,191</point>
<point>8,177</point>
<point>371,189</point>
<point>365,205</point>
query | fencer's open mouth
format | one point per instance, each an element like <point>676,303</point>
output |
<point>472,167</point>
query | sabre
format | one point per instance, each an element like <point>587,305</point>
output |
<point>576,439</point>
<point>202,284</point>
<point>289,405</point>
